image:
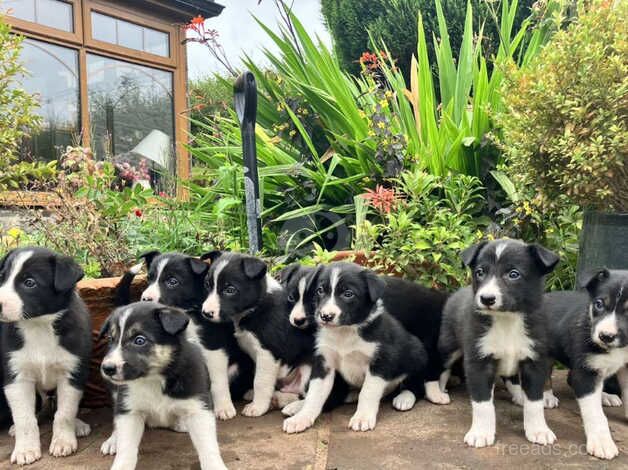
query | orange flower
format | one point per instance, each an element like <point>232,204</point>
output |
<point>198,20</point>
<point>381,198</point>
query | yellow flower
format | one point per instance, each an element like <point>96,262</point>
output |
<point>361,113</point>
<point>292,133</point>
<point>372,133</point>
<point>388,94</point>
<point>15,232</point>
<point>383,103</point>
<point>279,107</point>
<point>490,236</point>
<point>381,124</point>
<point>385,142</point>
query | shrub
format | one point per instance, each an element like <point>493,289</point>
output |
<point>565,124</point>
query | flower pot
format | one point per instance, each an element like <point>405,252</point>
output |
<point>603,242</point>
<point>98,295</point>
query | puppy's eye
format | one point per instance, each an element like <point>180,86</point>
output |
<point>139,340</point>
<point>291,298</point>
<point>348,294</point>
<point>320,291</point>
<point>172,282</point>
<point>29,283</point>
<point>513,275</point>
<point>230,290</point>
<point>598,305</point>
<point>479,273</point>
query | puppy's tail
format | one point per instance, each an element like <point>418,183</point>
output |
<point>123,289</point>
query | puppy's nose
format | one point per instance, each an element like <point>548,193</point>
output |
<point>488,300</point>
<point>327,317</point>
<point>299,321</point>
<point>147,298</point>
<point>108,369</point>
<point>607,337</point>
<point>209,314</point>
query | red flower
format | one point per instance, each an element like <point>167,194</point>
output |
<point>196,24</point>
<point>198,20</point>
<point>381,198</point>
<point>138,213</point>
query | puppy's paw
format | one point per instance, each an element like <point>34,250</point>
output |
<point>479,437</point>
<point>540,435</point>
<point>292,408</point>
<point>110,446</point>
<point>63,445</point>
<point>82,429</point>
<point>549,399</point>
<point>253,409</point>
<point>602,446</point>
<point>179,426</point>
<point>518,397</point>
<point>609,399</point>
<point>298,423</point>
<point>404,401</point>
<point>26,454</point>
<point>225,411</point>
<point>363,421</point>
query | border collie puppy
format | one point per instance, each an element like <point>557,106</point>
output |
<point>241,292</point>
<point>498,326</point>
<point>178,280</point>
<point>589,334</point>
<point>158,379</point>
<point>45,343</point>
<point>418,308</point>
<point>357,337</point>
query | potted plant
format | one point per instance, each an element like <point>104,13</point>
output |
<point>565,129</point>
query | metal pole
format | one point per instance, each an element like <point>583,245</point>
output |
<point>245,100</point>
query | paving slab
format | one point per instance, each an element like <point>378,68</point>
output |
<point>427,437</point>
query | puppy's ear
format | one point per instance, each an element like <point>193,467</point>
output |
<point>470,254</point>
<point>104,329</point>
<point>254,268</point>
<point>198,266</point>
<point>172,320</point>
<point>211,255</point>
<point>67,273</point>
<point>312,280</point>
<point>591,279</point>
<point>545,259</point>
<point>374,284</point>
<point>286,273</point>
<point>149,257</point>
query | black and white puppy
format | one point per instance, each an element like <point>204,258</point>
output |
<point>45,344</point>
<point>158,379</point>
<point>241,292</point>
<point>498,326</point>
<point>418,308</point>
<point>178,280</point>
<point>357,338</point>
<point>588,333</point>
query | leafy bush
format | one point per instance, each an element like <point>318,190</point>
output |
<point>565,124</point>
<point>17,114</point>
<point>209,96</point>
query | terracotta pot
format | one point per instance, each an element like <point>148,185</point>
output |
<point>98,295</point>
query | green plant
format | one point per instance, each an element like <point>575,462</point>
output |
<point>17,113</point>
<point>565,122</point>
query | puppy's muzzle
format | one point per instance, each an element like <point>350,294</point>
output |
<point>299,322</point>
<point>607,338</point>
<point>112,371</point>
<point>488,300</point>
<point>327,317</point>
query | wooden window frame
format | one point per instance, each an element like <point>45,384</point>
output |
<point>82,41</point>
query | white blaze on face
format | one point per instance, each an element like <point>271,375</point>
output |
<point>489,289</point>
<point>298,311</point>
<point>330,307</point>
<point>212,302</point>
<point>607,326</point>
<point>272,284</point>
<point>114,357</point>
<point>10,301</point>
<point>152,292</point>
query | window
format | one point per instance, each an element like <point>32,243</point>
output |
<point>53,13</point>
<point>131,112</point>
<point>124,33</point>
<point>54,78</point>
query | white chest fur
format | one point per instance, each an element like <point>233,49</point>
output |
<point>248,342</point>
<point>347,352</point>
<point>610,362</point>
<point>41,358</point>
<point>146,397</point>
<point>508,342</point>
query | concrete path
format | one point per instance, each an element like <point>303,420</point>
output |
<point>427,437</point>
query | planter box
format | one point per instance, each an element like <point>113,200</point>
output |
<point>603,242</point>
<point>98,295</point>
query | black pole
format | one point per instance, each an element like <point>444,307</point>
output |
<point>245,99</point>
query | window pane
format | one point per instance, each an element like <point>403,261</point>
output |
<point>104,28</point>
<point>130,35</point>
<point>131,113</point>
<point>156,42</point>
<point>54,77</point>
<point>55,14</point>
